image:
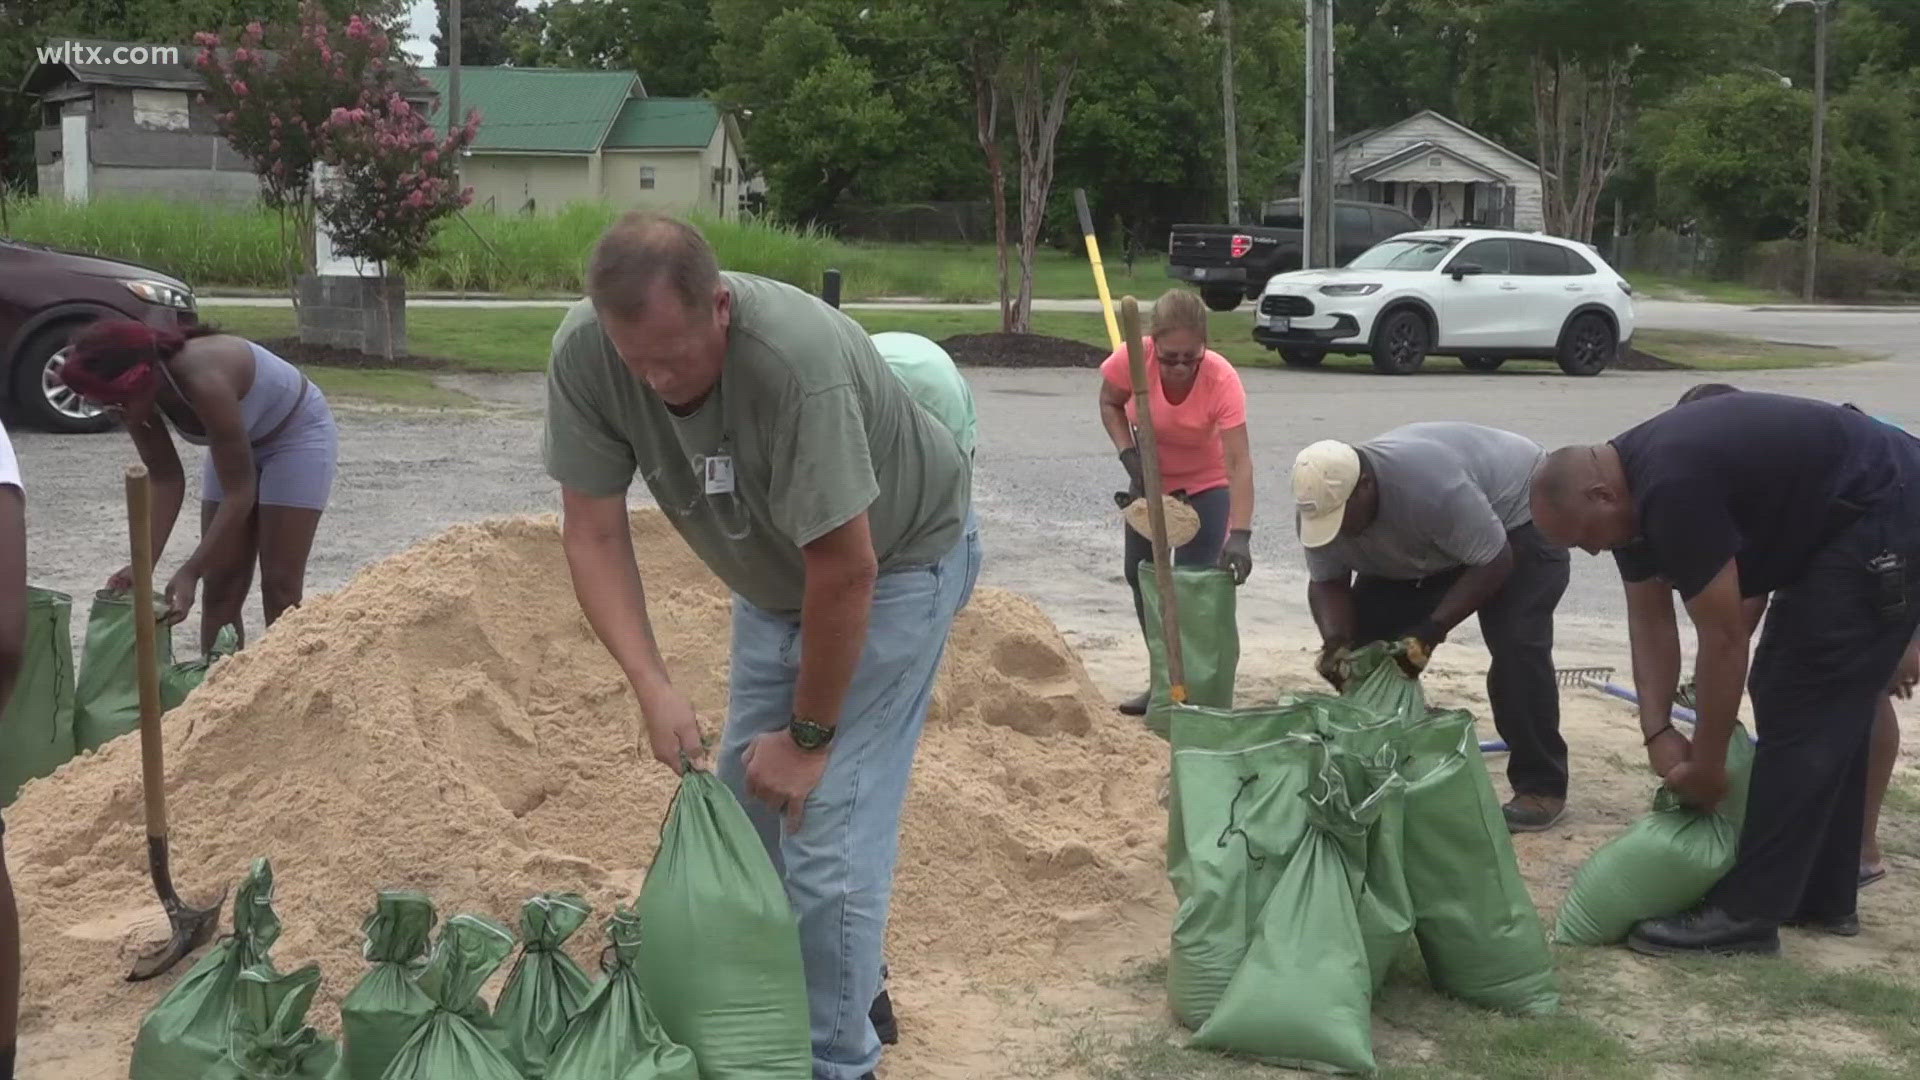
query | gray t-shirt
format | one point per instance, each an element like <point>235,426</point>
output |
<point>807,428</point>
<point>1449,494</point>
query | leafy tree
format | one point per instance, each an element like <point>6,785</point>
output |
<point>1733,149</point>
<point>669,43</point>
<point>275,111</point>
<point>1592,66</point>
<point>486,28</point>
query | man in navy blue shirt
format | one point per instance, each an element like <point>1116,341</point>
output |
<point>1724,500</point>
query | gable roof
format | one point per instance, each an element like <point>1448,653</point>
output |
<point>540,110</point>
<point>1455,125</point>
<point>664,124</point>
<point>1369,169</point>
<point>76,63</point>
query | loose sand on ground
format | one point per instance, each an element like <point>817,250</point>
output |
<point>448,721</point>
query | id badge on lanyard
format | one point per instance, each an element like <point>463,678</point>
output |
<point>719,474</point>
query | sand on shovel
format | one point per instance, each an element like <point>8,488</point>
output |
<point>448,721</point>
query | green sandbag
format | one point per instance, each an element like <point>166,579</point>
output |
<point>1662,865</point>
<point>459,1041</point>
<point>720,961</point>
<point>36,732</point>
<point>179,680</point>
<point>1384,907</point>
<point>616,1036</point>
<point>379,1015</point>
<point>106,700</point>
<point>188,1031</point>
<point>1303,997</point>
<point>271,1038</point>
<point>545,988</point>
<point>1478,930</point>
<point>1204,599</point>
<point>1234,814</point>
<point>1378,686</point>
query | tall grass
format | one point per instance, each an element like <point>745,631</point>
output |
<point>214,247</point>
<point>200,244</point>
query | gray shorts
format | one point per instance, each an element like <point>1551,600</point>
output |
<point>297,466</point>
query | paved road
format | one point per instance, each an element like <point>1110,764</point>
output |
<point>1045,483</point>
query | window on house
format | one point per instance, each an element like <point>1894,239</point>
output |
<point>646,178</point>
<point>165,109</point>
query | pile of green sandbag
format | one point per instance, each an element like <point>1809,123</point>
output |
<point>700,980</point>
<point>56,713</point>
<point>1308,843</point>
<point>1662,865</point>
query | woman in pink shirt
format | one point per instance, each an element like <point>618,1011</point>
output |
<point>1200,425</point>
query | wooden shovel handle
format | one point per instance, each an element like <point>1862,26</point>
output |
<point>146,648</point>
<point>1156,506</point>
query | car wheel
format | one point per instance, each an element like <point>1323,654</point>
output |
<point>1303,357</point>
<point>1400,345</point>
<point>1476,362</point>
<point>1588,346</point>
<point>1221,299</point>
<point>40,398</point>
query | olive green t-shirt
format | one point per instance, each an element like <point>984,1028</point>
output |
<point>812,425</point>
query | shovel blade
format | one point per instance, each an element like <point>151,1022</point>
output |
<point>191,928</point>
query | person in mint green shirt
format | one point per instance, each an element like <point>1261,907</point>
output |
<point>798,467</point>
<point>934,381</point>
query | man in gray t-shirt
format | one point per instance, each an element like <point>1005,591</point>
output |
<point>1408,534</point>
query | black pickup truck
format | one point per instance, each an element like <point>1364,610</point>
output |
<point>1230,263</point>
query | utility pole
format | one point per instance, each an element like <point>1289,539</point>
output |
<point>1819,141</point>
<point>1317,192</point>
<point>454,35</point>
<point>1226,96</point>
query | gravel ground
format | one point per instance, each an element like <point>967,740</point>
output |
<point>1046,478</point>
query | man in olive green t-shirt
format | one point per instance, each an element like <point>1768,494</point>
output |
<point>799,469</point>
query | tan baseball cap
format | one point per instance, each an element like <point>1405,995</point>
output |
<point>1324,476</point>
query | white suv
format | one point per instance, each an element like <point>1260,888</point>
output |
<point>1483,295</point>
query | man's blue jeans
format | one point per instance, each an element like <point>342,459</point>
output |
<point>838,866</point>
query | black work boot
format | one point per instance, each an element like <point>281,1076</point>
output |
<point>1704,931</point>
<point>1136,706</point>
<point>884,1023</point>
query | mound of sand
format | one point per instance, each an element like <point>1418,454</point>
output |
<point>448,721</point>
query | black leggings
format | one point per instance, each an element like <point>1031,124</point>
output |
<point>1213,505</point>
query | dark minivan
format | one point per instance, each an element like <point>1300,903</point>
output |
<point>45,295</point>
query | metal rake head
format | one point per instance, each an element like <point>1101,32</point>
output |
<point>1582,676</point>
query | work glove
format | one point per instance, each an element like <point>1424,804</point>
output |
<point>1234,556</point>
<point>1136,476</point>
<point>1416,648</point>
<point>1332,664</point>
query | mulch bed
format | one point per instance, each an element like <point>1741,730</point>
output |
<point>294,351</point>
<point>1021,351</point>
<point>1632,359</point>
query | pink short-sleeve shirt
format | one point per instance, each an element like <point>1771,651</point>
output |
<point>1188,434</point>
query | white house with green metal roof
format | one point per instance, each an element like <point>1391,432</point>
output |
<point>552,136</point>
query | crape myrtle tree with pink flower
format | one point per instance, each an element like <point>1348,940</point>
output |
<point>290,97</point>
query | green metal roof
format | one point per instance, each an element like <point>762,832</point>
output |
<point>532,110</point>
<point>664,123</point>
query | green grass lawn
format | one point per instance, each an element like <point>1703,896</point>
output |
<point>1689,287</point>
<point>518,339</point>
